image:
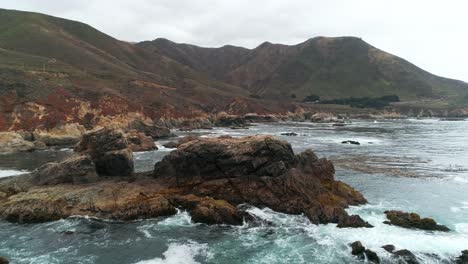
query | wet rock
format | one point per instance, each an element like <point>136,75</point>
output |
<point>350,142</point>
<point>261,171</point>
<point>74,170</point>
<point>109,151</point>
<point>338,124</point>
<point>389,248</point>
<point>140,142</point>
<point>358,250</point>
<point>371,256</point>
<point>11,142</point>
<point>323,118</point>
<point>405,256</point>
<point>180,141</point>
<point>289,134</point>
<point>463,258</point>
<point>4,260</point>
<point>209,211</point>
<point>150,129</point>
<point>354,221</point>
<point>413,220</point>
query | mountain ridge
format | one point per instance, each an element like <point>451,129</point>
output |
<point>55,71</point>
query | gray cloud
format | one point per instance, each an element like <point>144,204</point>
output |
<point>429,33</point>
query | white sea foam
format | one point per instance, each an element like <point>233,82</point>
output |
<point>444,244</point>
<point>180,254</point>
<point>6,173</point>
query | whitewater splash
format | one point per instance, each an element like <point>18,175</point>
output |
<point>181,254</point>
<point>8,173</point>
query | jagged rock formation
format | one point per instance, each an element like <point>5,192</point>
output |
<point>261,171</point>
<point>207,177</point>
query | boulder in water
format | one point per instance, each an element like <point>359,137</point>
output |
<point>405,256</point>
<point>413,220</point>
<point>352,142</point>
<point>289,134</point>
<point>358,250</point>
<point>4,260</point>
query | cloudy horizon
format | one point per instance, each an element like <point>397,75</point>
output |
<point>430,34</point>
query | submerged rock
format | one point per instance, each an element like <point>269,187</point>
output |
<point>413,220</point>
<point>351,142</point>
<point>289,134</point>
<point>262,171</point>
<point>109,151</point>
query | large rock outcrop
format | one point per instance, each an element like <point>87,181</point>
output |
<point>109,151</point>
<point>206,177</point>
<point>262,171</point>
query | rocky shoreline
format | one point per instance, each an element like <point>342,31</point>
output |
<point>141,133</point>
<point>211,178</point>
<point>207,177</point>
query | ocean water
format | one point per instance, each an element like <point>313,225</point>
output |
<point>412,165</point>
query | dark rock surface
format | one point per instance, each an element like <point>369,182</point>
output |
<point>352,142</point>
<point>207,177</point>
<point>262,171</point>
<point>4,260</point>
<point>413,220</point>
<point>289,134</point>
<point>463,258</point>
<point>405,256</point>
<point>109,150</point>
<point>358,250</point>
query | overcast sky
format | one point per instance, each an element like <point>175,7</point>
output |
<point>431,34</point>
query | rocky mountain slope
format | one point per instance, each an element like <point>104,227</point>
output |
<point>328,67</point>
<point>55,71</point>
